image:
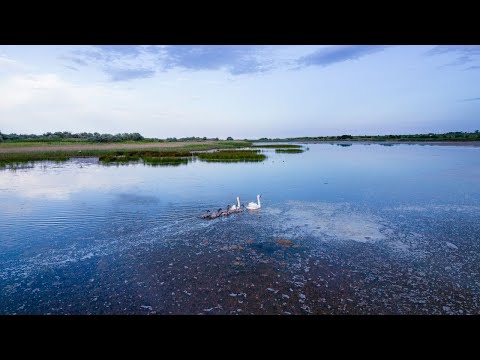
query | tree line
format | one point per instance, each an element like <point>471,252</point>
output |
<point>450,136</point>
<point>66,135</point>
<point>93,137</point>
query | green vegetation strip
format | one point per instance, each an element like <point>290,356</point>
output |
<point>154,158</point>
<point>165,161</point>
<point>16,158</point>
<point>158,156</point>
<point>232,156</point>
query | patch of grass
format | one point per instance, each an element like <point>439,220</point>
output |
<point>149,157</point>
<point>112,156</point>
<point>232,156</point>
<point>278,146</point>
<point>289,151</point>
<point>18,160</point>
<point>165,161</point>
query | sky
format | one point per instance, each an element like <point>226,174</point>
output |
<point>242,91</point>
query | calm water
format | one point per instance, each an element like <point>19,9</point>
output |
<point>371,229</point>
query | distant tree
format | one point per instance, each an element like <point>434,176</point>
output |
<point>229,138</point>
<point>216,139</point>
<point>1,137</point>
<point>204,138</point>
<point>476,131</point>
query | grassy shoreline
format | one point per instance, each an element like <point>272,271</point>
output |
<point>6,147</point>
<point>114,153</point>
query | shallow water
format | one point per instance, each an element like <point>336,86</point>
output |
<point>370,229</point>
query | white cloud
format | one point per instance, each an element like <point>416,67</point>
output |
<point>46,102</point>
<point>37,103</point>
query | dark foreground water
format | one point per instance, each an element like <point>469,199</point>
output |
<point>364,229</point>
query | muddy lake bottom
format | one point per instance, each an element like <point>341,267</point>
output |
<point>211,274</point>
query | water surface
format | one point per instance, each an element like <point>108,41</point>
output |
<point>370,229</point>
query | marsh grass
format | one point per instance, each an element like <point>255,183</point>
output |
<point>22,160</point>
<point>60,155</point>
<point>289,151</point>
<point>165,161</point>
<point>154,156</point>
<point>232,156</point>
<point>25,164</point>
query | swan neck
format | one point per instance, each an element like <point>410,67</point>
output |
<point>258,200</point>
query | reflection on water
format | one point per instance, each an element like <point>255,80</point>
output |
<point>355,229</point>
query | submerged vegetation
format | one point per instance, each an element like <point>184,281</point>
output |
<point>154,158</point>
<point>18,160</point>
<point>232,156</point>
<point>289,151</point>
<point>165,161</point>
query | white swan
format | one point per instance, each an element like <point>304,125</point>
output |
<point>235,207</point>
<point>254,206</point>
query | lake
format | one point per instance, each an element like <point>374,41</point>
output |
<point>360,229</point>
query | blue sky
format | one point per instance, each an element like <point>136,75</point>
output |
<point>239,90</point>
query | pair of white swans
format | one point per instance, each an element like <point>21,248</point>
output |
<point>250,206</point>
